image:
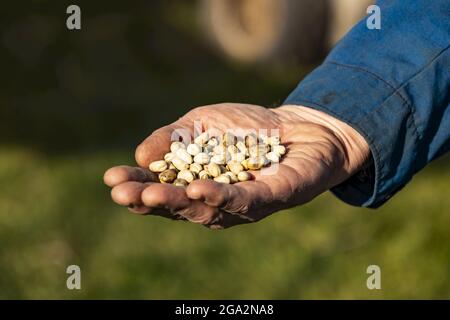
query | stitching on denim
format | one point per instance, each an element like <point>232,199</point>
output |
<point>413,122</point>
<point>395,91</point>
<point>362,69</point>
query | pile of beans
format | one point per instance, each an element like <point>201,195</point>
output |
<point>225,159</point>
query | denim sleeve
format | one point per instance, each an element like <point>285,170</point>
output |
<point>393,86</point>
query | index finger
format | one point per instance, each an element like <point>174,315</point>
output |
<point>120,174</point>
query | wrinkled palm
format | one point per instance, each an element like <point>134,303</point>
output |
<point>316,159</point>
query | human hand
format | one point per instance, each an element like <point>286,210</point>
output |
<point>321,153</point>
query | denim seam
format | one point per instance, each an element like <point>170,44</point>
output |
<point>407,82</point>
<point>394,91</point>
<point>403,85</point>
<point>362,69</point>
<point>379,165</point>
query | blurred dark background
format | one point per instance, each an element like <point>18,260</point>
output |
<point>102,86</point>
<point>73,103</point>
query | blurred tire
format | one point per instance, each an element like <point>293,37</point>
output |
<point>344,15</point>
<point>262,30</point>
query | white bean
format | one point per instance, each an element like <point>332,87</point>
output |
<point>169,156</point>
<point>176,145</point>
<point>238,157</point>
<point>280,149</point>
<point>213,142</point>
<point>193,149</point>
<point>187,175</point>
<point>220,158</point>
<point>214,169</point>
<point>273,156</point>
<point>158,166</point>
<point>244,176</point>
<point>223,179</point>
<point>202,158</point>
<point>184,155</point>
<point>196,167</point>
<point>202,138</point>
<point>233,177</point>
<point>180,164</point>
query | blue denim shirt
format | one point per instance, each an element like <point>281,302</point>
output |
<point>393,86</point>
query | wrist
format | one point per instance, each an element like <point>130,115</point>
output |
<point>356,151</point>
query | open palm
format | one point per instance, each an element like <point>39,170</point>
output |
<point>317,159</point>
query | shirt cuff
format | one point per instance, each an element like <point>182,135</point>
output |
<point>379,113</point>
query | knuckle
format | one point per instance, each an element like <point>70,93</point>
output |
<point>194,190</point>
<point>154,196</point>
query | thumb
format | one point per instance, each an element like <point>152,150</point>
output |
<point>158,143</point>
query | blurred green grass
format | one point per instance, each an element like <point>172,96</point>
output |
<point>80,105</point>
<point>54,211</point>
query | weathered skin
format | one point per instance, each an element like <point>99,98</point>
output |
<point>322,152</point>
